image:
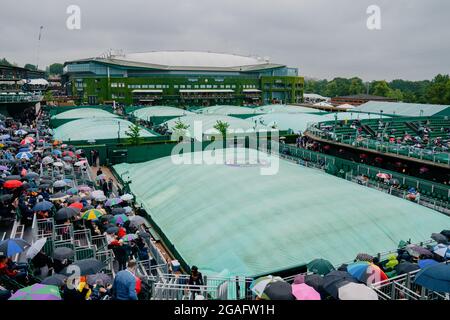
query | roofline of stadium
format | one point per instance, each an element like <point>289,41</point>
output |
<point>141,65</point>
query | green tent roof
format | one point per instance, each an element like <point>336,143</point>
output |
<point>229,216</point>
<point>95,128</point>
<point>159,111</point>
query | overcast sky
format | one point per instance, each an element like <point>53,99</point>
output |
<point>323,38</point>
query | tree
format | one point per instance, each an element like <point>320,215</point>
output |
<point>222,127</point>
<point>356,86</point>
<point>438,92</point>
<point>5,62</point>
<point>30,66</point>
<point>56,68</point>
<point>134,134</point>
<point>395,94</point>
<point>179,129</point>
<point>380,88</point>
<point>48,96</point>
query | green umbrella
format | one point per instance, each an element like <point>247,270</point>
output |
<point>320,266</point>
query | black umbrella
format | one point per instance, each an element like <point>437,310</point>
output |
<point>5,197</point>
<point>315,281</point>
<point>406,267</point>
<point>65,213</point>
<point>86,266</point>
<point>14,177</point>
<point>118,211</point>
<point>112,230</point>
<point>103,277</point>
<point>62,253</point>
<point>55,280</point>
<point>439,238</point>
<point>279,290</point>
<point>334,280</point>
<point>446,233</point>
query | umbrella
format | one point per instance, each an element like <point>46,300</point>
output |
<point>97,193</point>
<point>100,177</point>
<point>93,278</point>
<point>62,253</point>
<point>334,280</point>
<point>65,213</point>
<point>320,266</point>
<point>13,177</point>
<point>84,188</point>
<point>57,153</point>
<point>136,220</point>
<point>43,206</point>
<point>436,278</point>
<point>406,267</point>
<point>77,205</point>
<point>112,230</point>
<point>279,290</point>
<point>92,214</point>
<point>129,237</point>
<point>113,202</point>
<point>126,197</point>
<point>80,163</point>
<point>442,250</point>
<point>11,247</point>
<point>439,238</point>
<point>4,168</point>
<point>55,280</point>
<point>298,279</point>
<point>72,191</point>
<point>27,140</point>
<point>259,285</point>
<point>58,164</point>
<point>100,198</point>
<point>35,248</point>
<point>446,233</point>
<point>119,219</point>
<point>304,292</point>
<point>366,272</point>
<point>37,292</point>
<point>364,257</point>
<point>383,175</point>
<point>417,251</point>
<point>58,196</point>
<point>356,291</point>
<point>86,267</point>
<point>128,209</point>
<point>32,175</point>
<point>115,211</point>
<point>60,184</point>
<point>12,184</point>
<point>47,160</point>
<point>426,263</point>
<point>5,197</point>
<point>20,132</point>
<point>24,155</point>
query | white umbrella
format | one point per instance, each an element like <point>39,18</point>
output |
<point>80,163</point>
<point>97,193</point>
<point>58,164</point>
<point>47,160</point>
<point>35,248</point>
<point>100,198</point>
<point>60,184</point>
<point>356,291</point>
<point>128,209</point>
<point>126,197</point>
<point>442,250</point>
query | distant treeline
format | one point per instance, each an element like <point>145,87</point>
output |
<point>436,91</point>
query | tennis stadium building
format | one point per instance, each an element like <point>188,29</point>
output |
<point>182,78</point>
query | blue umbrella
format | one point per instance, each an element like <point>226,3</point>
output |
<point>43,206</point>
<point>12,247</point>
<point>426,263</point>
<point>24,149</point>
<point>436,278</point>
<point>24,155</point>
<point>57,152</point>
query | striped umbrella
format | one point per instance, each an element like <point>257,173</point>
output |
<point>12,247</point>
<point>92,214</point>
<point>24,155</point>
<point>120,218</point>
<point>37,292</point>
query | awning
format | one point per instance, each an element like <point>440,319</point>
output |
<point>147,91</point>
<point>36,82</point>
<point>206,91</point>
<point>251,90</point>
<point>8,82</point>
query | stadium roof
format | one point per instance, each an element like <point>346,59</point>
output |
<point>159,111</point>
<point>286,109</point>
<point>208,122</point>
<point>404,109</point>
<point>186,60</point>
<point>364,96</point>
<point>94,129</point>
<point>80,113</point>
<point>226,110</point>
<point>229,216</point>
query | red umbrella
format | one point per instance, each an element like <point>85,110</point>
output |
<point>76,205</point>
<point>11,184</point>
<point>363,156</point>
<point>423,169</point>
<point>379,159</point>
<point>327,147</point>
<point>68,154</point>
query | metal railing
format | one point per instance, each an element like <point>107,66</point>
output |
<point>19,98</point>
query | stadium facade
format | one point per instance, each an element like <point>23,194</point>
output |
<point>182,78</point>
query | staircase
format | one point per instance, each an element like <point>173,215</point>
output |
<point>412,126</point>
<point>368,130</point>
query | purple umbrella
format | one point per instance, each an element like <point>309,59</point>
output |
<point>37,292</point>
<point>417,251</point>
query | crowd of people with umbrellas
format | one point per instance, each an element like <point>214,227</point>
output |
<point>33,182</point>
<point>353,281</point>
